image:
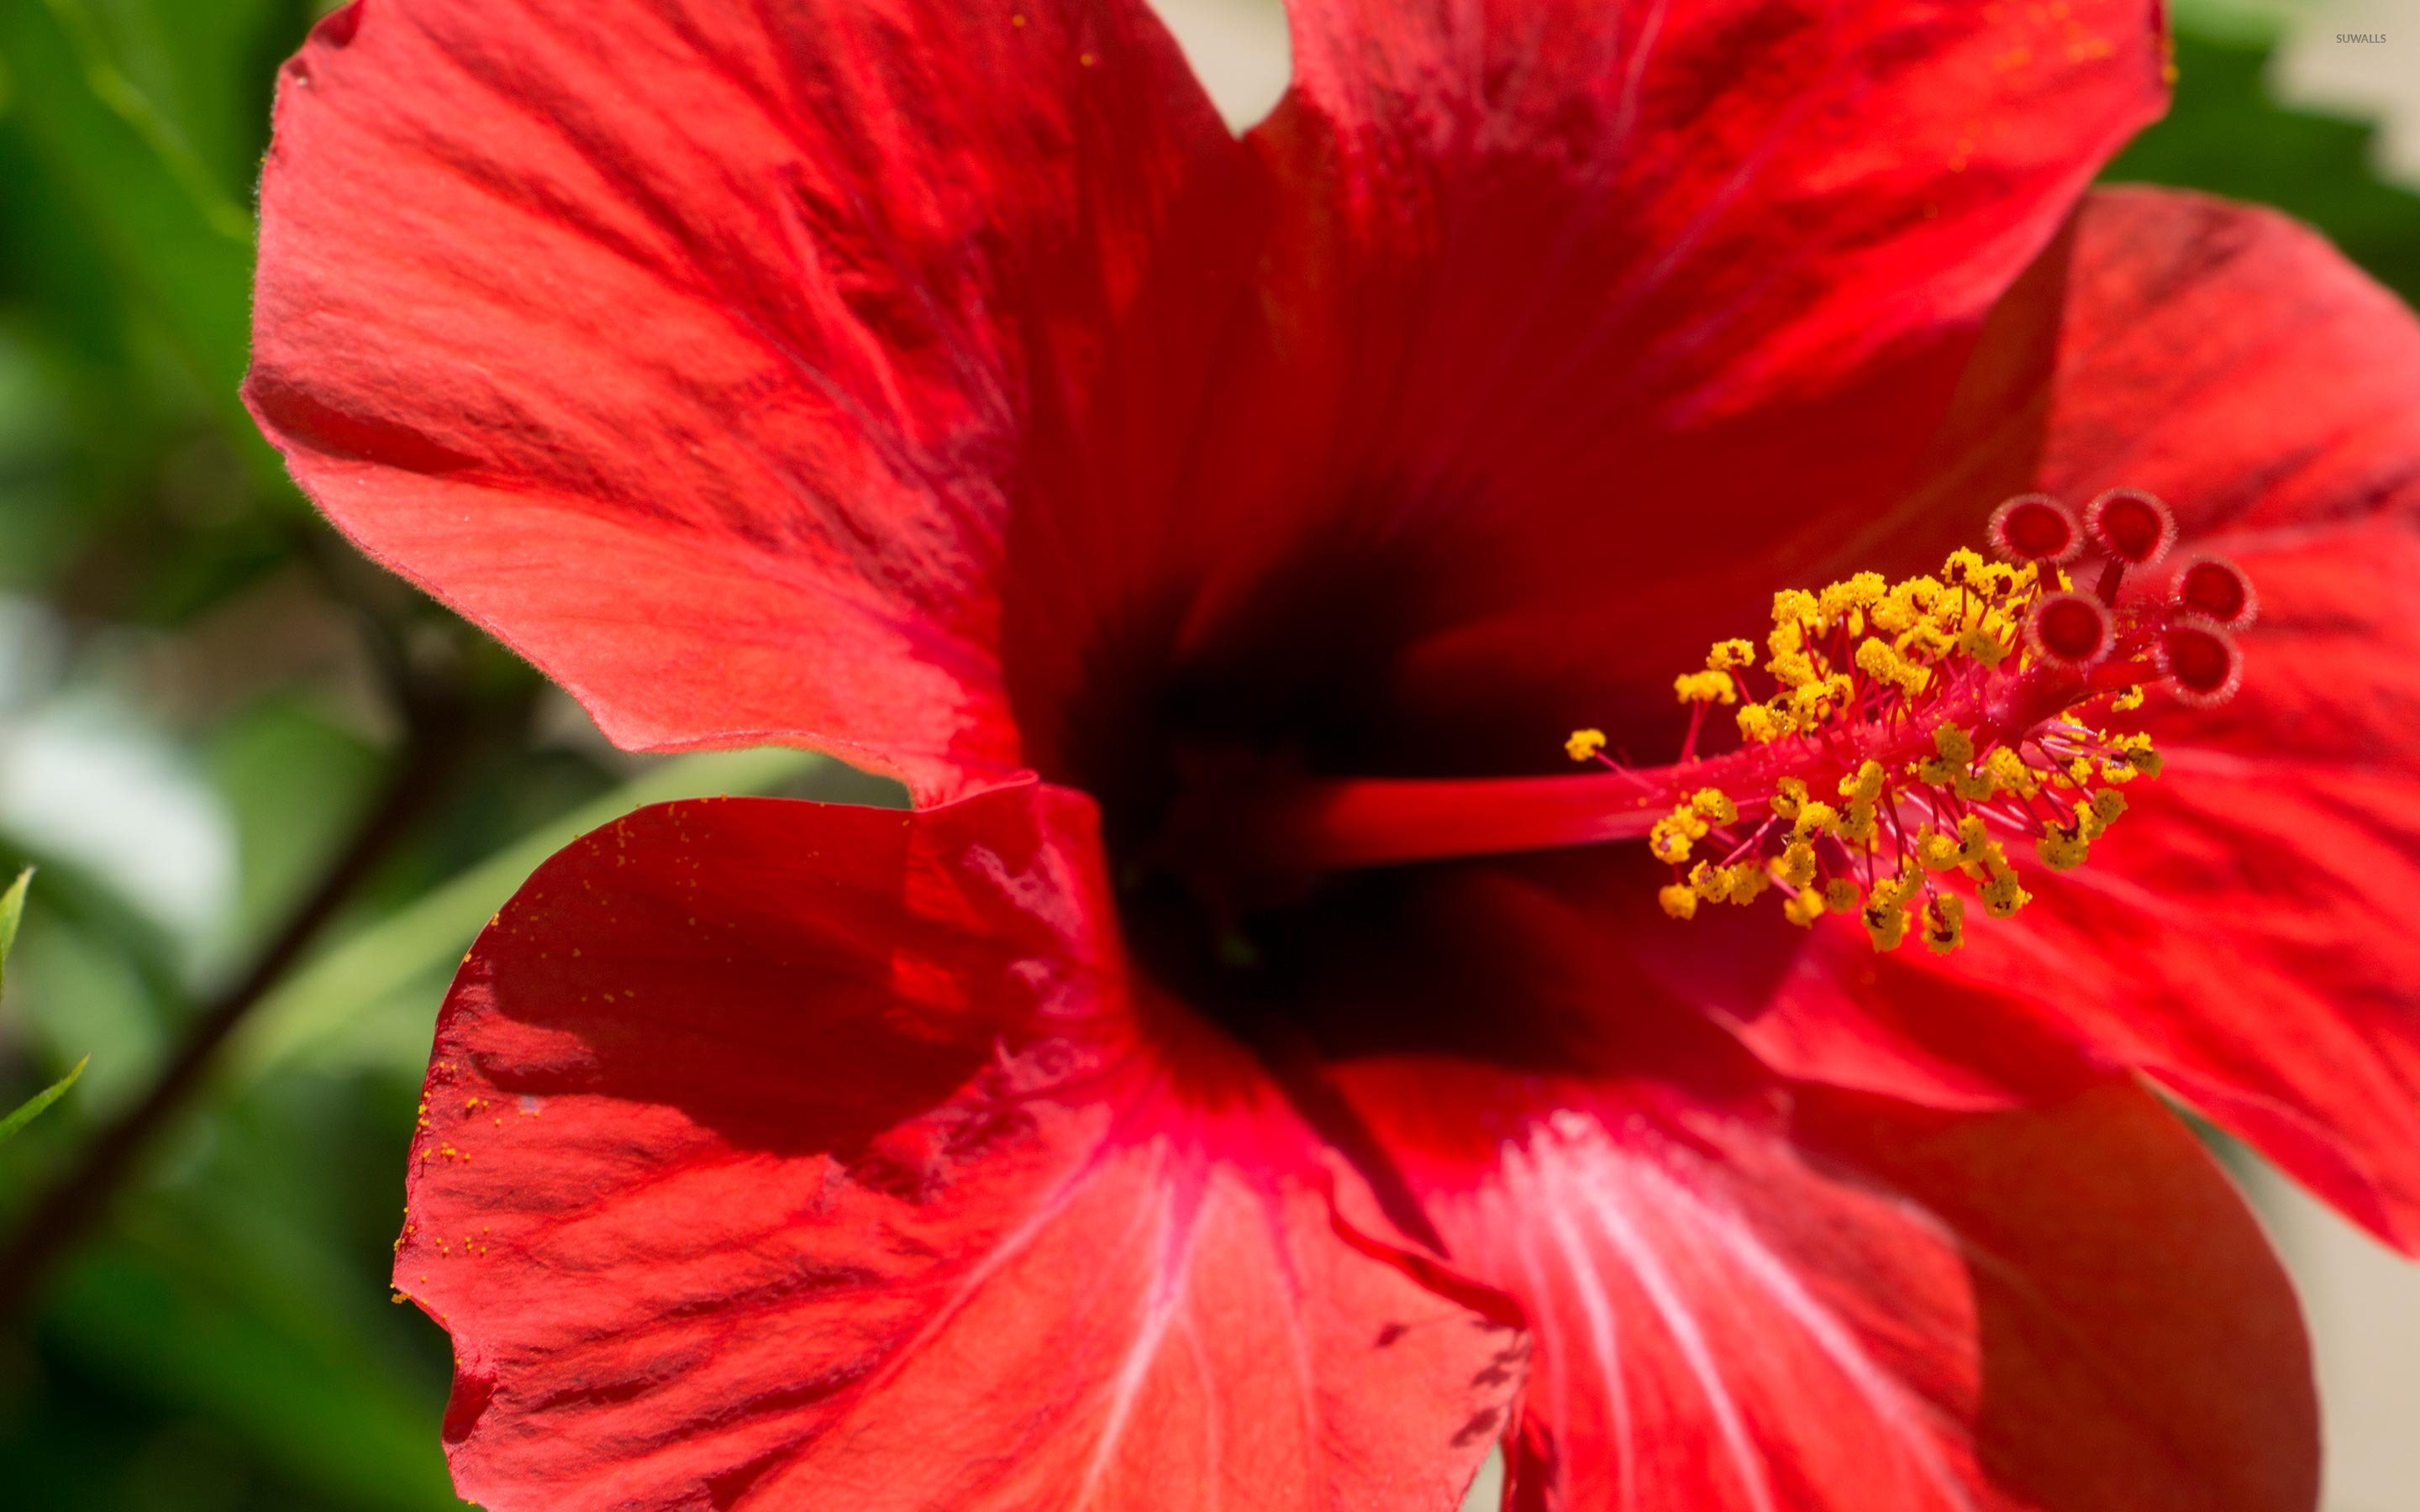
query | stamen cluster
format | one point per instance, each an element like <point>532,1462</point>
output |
<point>1898,738</point>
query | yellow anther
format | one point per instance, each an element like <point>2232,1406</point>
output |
<point>1972,786</point>
<point>1584,744</point>
<point>1862,592</point>
<point>1842,896</point>
<point>1748,882</point>
<point>1973,840</point>
<point>1671,839</point>
<point>1955,745</point>
<point>1865,783</point>
<point>1903,888</point>
<point>2127,701</point>
<point>1791,669</point>
<point>1710,882</point>
<point>2010,771</point>
<point>1856,825</point>
<point>1796,863</point>
<point>1715,806</point>
<point>2000,893</point>
<point>2062,849</point>
<point>1944,924</point>
<point>1815,817</point>
<point>1988,859</point>
<point>1759,725</point>
<point>1936,851</point>
<point>1727,654</point>
<point>1965,568</point>
<point>2107,804</point>
<point>1678,901</point>
<point>1877,660</point>
<point>1985,643</point>
<point>1705,688</point>
<point>1811,702</point>
<point>1791,604</point>
<point>2131,756</point>
<point>1788,794</point>
<point>1885,921</point>
<point>1804,910</point>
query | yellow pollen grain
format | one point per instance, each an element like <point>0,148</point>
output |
<point>1584,744</point>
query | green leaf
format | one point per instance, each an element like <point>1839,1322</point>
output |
<point>2225,136</point>
<point>34,1105</point>
<point>165,1321</point>
<point>12,908</point>
<point>176,245</point>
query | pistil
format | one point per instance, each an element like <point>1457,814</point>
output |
<point>1906,733</point>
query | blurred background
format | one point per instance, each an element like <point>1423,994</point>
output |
<point>273,793</point>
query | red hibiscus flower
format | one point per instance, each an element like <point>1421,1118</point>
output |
<point>936,382</point>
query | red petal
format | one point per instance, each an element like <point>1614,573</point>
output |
<point>1875,1309</point>
<point>2240,934</point>
<point>789,1155</point>
<point>694,350</point>
<point>2229,361</point>
<point>1557,284</point>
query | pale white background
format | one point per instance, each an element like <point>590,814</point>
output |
<point>2363,1303</point>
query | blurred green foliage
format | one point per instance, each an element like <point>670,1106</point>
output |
<point>2225,136</point>
<point>177,632</point>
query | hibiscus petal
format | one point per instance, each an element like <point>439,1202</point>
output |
<point>2240,935</point>
<point>1584,321</point>
<point>1870,1307</point>
<point>694,350</point>
<point>779,1154</point>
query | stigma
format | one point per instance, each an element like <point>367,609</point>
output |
<point>1905,755</point>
